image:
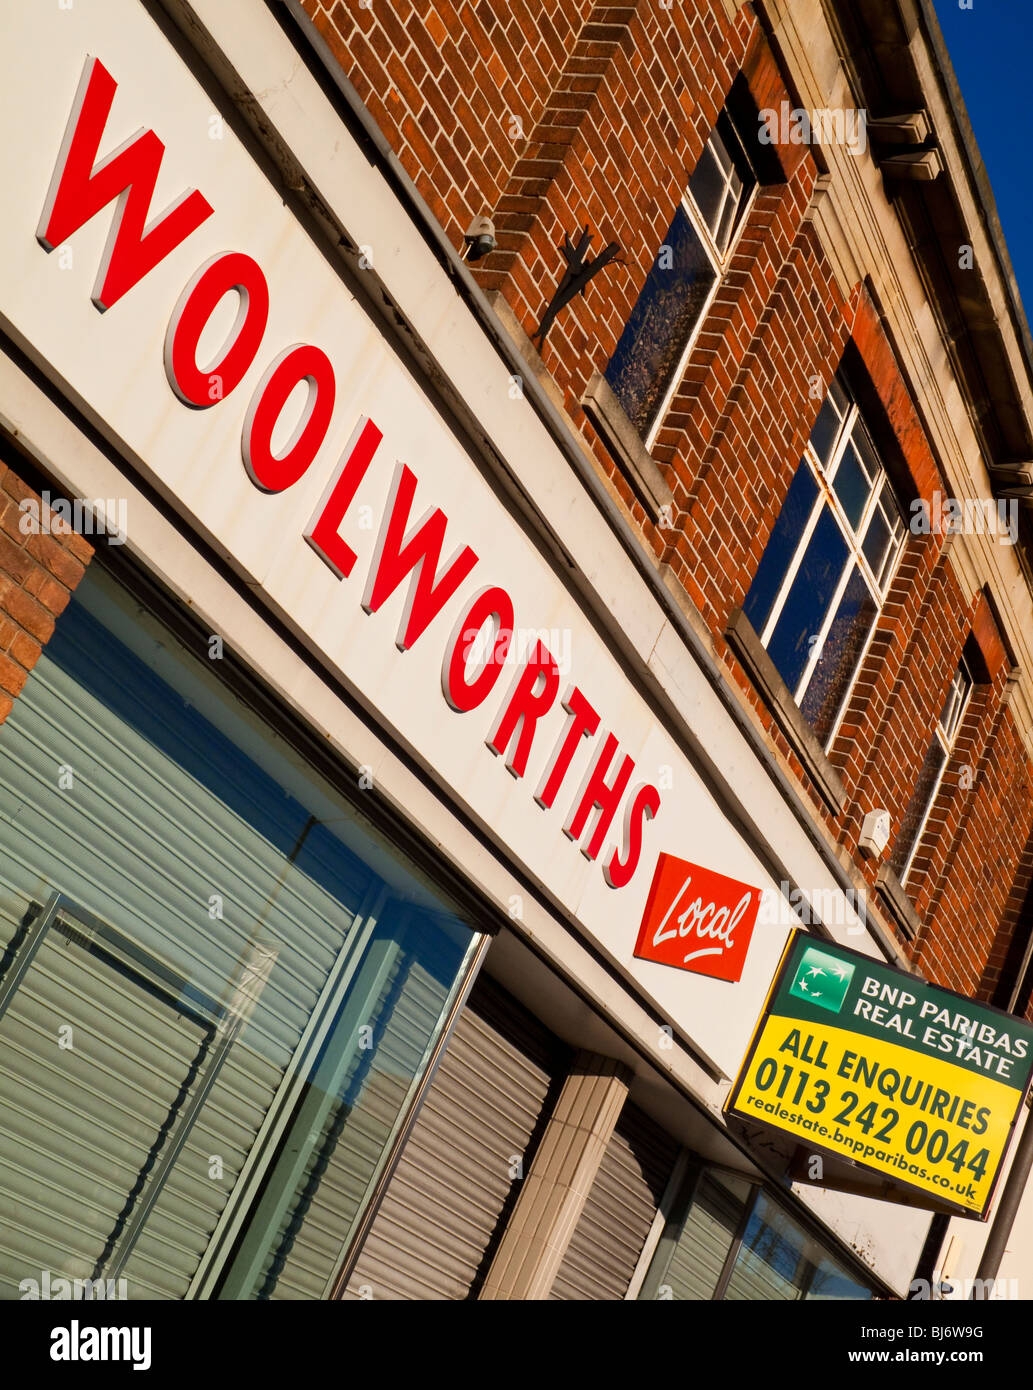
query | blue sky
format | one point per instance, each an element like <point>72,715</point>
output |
<point>991,46</point>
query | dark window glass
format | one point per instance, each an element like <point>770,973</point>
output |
<point>781,548</point>
<point>840,525</point>
<point>932,770</point>
<point>808,599</point>
<point>954,704</point>
<point>917,807</point>
<point>709,182</point>
<point>721,184</point>
<point>830,681</point>
<point>683,275</point>
<point>729,216</point>
<point>877,541</point>
<point>852,485</point>
<point>827,426</point>
<point>647,355</point>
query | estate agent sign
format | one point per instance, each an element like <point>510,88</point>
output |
<point>860,1060</point>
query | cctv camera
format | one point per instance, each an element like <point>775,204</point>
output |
<point>480,238</point>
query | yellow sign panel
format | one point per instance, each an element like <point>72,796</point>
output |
<point>898,1076</point>
<point>881,1105</point>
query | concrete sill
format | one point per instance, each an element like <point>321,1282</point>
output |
<point>894,894</point>
<point>621,438</point>
<point>776,695</point>
<point>527,349</point>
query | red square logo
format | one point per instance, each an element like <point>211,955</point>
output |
<point>698,920</point>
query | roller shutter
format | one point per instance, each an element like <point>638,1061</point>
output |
<point>622,1205</point>
<point>453,1189</point>
<point>94,1066</point>
<point>699,1256</point>
<point>139,810</point>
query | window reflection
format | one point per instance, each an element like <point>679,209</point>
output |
<point>778,1260</point>
<point>645,364</point>
<point>825,571</point>
<point>728,1239</point>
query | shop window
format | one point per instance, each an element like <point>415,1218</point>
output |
<point>697,1241</point>
<point>776,1259</point>
<point>650,357</point>
<point>728,1239</point>
<point>916,817</point>
<point>220,984</point>
<point>828,564</point>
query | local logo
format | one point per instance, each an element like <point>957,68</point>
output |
<point>822,979</point>
<point>697,920</point>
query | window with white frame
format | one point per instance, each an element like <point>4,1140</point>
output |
<point>650,357</point>
<point>828,563</point>
<point>930,779</point>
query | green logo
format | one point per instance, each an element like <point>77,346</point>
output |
<point>822,979</point>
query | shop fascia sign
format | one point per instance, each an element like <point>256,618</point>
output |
<point>873,1066</point>
<point>408,551</point>
<point>194,362</point>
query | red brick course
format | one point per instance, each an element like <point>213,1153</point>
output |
<point>38,574</point>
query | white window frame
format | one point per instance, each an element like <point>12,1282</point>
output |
<point>824,477</point>
<point>947,739</point>
<point>720,265</point>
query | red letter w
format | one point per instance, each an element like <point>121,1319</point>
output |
<point>419,553</point>
<point>80,188</point>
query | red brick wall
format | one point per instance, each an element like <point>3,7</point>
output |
<point>38,573</point>
<point>1003,966</point>
<point>456,87</point>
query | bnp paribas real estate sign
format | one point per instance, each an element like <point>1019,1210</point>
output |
<point>864,1062</point>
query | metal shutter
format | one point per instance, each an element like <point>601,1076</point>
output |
<point>79,1119</point>
<point>447,1201</point>
<point>776,1259</point>
<point>693,1251</point>
<point>702,1247</point>
<point>625,1197</point>
<point>141,838</point>
<point>304,1262</point>
<point>753,1278</point>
